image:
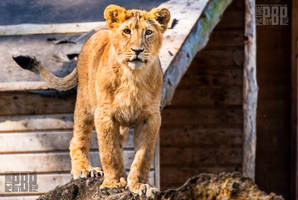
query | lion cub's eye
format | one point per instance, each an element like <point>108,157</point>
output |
<point>148,32</point>
<point>127,31</point>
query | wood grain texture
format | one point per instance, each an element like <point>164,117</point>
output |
<point>36,122</point>
<point>294,101</point>
<point>204,157</point>
<point>250,92</point>
<point>31,29</point>
<point>35,103</point>
<point>50,162</point>
<point>45,141</point>
<point>204,117</point>
<point>195,136</point>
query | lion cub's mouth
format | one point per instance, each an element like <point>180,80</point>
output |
<point>136,59</point>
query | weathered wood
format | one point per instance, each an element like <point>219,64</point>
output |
<point>204,117</point>
<point>36,103</point>
<point>208,97</point>
<point>294,102</point>
<point>45,141</point>
<point>50,162</point>
<point>195,136</point>
<point>221,58</point>
<point>226,39</point>
<point>175,38</point>
<point>23,197</point>
<point>196,40</point>
<point>207,77</point>
<point>23,85</point>
<point>250,92</point>
<point>47,182</point>
<point>36,122</point>
<point>195,157</point>
<point>231,23</point>
<point>31,29</point>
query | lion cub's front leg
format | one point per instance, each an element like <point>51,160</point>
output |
<point>145,138</point>
<point>109,148</point>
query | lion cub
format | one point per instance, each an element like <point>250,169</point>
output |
<point>119,81</point>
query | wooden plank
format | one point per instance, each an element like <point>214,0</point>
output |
<point>204,117</point>
<point>47,182</point>
<point>23,85</point>
<point>186,21</point>
<point>208,97</point>
<point>294,101</point>
<point>29,103</point>
<point>45,141</point>
<point>250,90</point>
<point>31,29</point>
<point>226,39</point>
<point>203,76</point>
<point>195,136</point>
<point>21,197</point>
<point>36,122</point>
<point>50,162</point>
<point>195,41</point>
<point>221,58</point>
<point>194,157</point>
<point>234,19</point>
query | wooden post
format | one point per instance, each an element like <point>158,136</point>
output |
<point>294,92</point>
<point>250,92</point>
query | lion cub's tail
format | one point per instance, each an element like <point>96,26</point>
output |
<point>66,83</point>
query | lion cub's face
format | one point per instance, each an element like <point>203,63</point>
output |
<point>136,34</point>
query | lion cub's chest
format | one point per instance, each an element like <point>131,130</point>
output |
<point>130,104</point>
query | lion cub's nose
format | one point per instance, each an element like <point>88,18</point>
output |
<point>137,51</point>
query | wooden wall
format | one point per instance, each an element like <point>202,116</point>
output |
<point>202,128</point>
<point>274,106</point>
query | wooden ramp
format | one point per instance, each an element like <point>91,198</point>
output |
<point>36,121</point>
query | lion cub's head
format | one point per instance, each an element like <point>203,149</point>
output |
<point>136,35</point>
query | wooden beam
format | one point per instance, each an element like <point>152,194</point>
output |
<point>294,102</point>
<point>31,29</point>
<point>23,85</point>
<point>174,67</point>
<point>250,92</point>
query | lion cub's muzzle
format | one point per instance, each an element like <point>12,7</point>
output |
<point>137,60</point>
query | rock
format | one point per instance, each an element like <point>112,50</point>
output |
<point>225,186</point>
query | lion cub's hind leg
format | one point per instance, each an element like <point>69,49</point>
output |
<point>79,144</point>
<point>123,135</point>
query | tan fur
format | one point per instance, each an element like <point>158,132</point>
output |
<point>115,93</point>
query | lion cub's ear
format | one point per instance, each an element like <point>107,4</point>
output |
<point>162,16</point>
<point>114,15</point>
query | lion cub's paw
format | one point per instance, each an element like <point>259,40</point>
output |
<point>113,183</point>
<point>144,190</point>
<point>93,172</point>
